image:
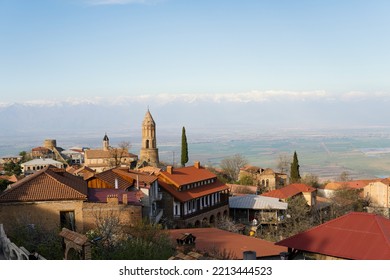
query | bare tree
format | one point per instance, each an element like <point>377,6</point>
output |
<point>283,163</point>
<point>311,180</point>
<point>119,153</point>
<point>346,200</point>
<point>344,177</point>
<point>231,166</point>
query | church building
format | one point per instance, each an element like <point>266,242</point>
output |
<point>149,151</point>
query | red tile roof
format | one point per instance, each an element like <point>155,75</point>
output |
<point>211,239</point>
<point>360,236</point>
<point>48,184</point>
<point>241,189</point>
<point>289,191</point>
<point>355,184</point>
<point>190,194</point>
<point>110,177</point>
<point>136,175</point>
<point>187,175</point>
<point>11,178</point>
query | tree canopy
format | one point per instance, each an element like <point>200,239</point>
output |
<point>231,166</point>
<point>295,177</point>
<point>184,147</point>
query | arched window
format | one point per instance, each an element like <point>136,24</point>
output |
<point>147,144</point>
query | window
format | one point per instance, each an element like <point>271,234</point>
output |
<point>67,220</point>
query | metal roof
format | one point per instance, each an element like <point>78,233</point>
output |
<point>358,236</point>
<point>253,201</point>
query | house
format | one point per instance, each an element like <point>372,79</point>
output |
<point>144,185</point>
<point>192,196</point>
<point>54,199</point>
<point>41,152</point>
<point>293,190</point>
<point>265,177</point>
<point>50,197</point>
<point>73,156</point>
<point>328,189</point>
<point>235,189</point>
<point>6,159</point>
<point>267,210</point>
<point>108,157</point>
<point>354,236</point>
<point>224,243</point>
<point>151,198</point>
<point>32,166</point>
<point>83,171</point>
<point>378,195</point>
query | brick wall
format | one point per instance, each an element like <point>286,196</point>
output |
<point>45,214</point>
<point>129,215</point>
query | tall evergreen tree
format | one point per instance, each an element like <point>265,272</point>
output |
<point>184,147</point>
<point>295,177</point>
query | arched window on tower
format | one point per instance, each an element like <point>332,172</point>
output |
<point>147,144</point>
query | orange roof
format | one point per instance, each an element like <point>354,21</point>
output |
<point>40,149</point>
<point>186,175</point>
<point>237,189</point>
<point>50,183</point>
<point>190,194</point>
<point>211,239</point>
<point>150,169</point>
<point>289,191</point>
<point>111,177</point>
<point>136,175</point>
<point>359,236</point>
<point>355,184</point>
<point>11,178</point>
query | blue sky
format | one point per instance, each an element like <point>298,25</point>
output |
<point>61,49</point>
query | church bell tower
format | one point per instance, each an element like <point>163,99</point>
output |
<point>149,151</point>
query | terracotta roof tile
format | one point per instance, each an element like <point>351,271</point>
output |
<point>50,183</point>
<point>150,169</point>
<point>193,193</point>
<point>134,175</point>
<point>97,154</point>
<point>90,154</point>
<point>187,175</point>
<point>354,184</point>
<point>238,189</point>
<point>212,239</point>
<point>289,191</point>
<point>110,177</point>
<point>360,236</point>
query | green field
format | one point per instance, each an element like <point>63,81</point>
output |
<point>326,157</point>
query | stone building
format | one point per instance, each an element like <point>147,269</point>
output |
<point>149,151</point>
<point>32,166</point>
<point>53,199</point>
<point>108,157</point>
<point>193,196</point>
<point>266,178</point>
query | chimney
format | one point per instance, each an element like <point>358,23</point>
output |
<point>249,255</point>
<point>116,183</point>
<point>197,164</point>
<point>124,199</point>
<point>170,169</point>
<point>112,199</point>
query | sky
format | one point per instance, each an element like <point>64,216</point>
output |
<point>85,49</point>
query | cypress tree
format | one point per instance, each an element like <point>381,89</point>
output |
<point>184,147</point>
<point>295,177</point>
